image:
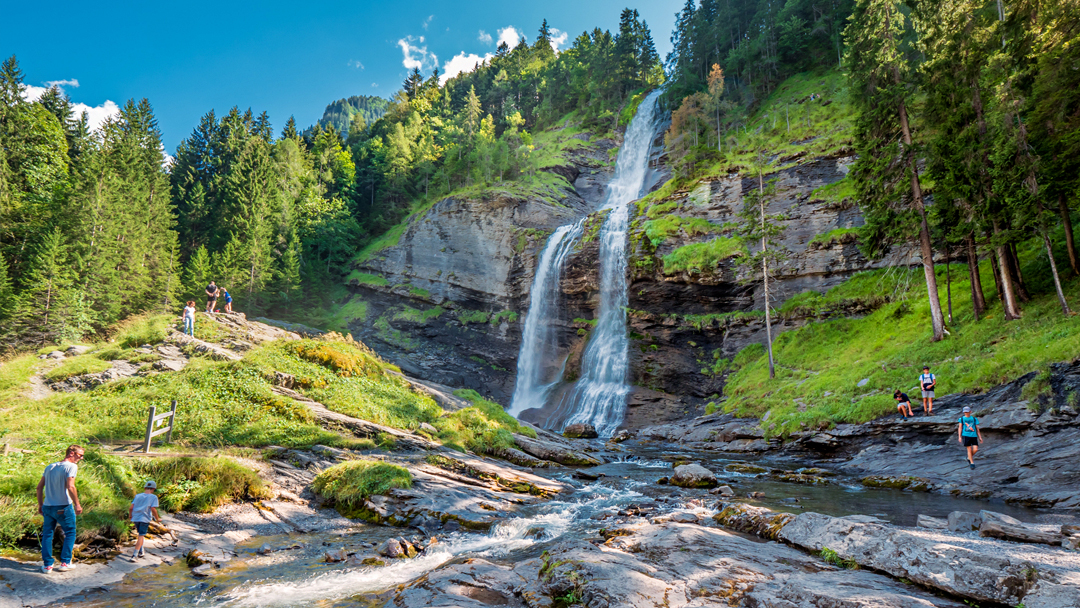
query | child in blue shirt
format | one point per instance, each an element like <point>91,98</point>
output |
<point>969,435</point>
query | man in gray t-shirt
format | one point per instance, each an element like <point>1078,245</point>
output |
<point>58,503</point>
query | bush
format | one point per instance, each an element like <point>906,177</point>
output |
<point>349,484</point>
<point>482,427</point>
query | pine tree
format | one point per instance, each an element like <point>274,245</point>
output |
<point>894,211</point>
<point>42,317</point>
<point>7,298</point>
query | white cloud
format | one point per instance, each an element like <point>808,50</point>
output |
<point>427,22</point>
<point>461,63</point>
<point>510,36</point>
<point>558,38</point>
<point>485,37</point>
<point>355,63</point>
<point>416,56</point>
<point>96,115</point>
<point>374,85</point>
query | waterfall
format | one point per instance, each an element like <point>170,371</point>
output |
<point>599,398</point>
<point>538,345</point>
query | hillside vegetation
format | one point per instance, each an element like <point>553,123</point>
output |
<point>226,408</point>
<point>820,366</point>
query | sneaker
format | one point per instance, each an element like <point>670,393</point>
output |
<point>133,557</point>
<point>63,567</point>
<point>973,465</point>
<point>46,569</point>
<point>142,553</point>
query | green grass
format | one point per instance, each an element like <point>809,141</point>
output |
<point>506,315</point>
<point>199,484</point>
<point>413,315</point>
<point>889,346</point>
<point>355,309</point>
<point>665,226</point>
<point>833,237</point>
<point>77,366</point>
<point>481,427</point>
<point>364,278</point>
<point>142,329</point>
<point>466,316</point>
<point>698,258</point>
<point>840,192</point>
<point>630,109</point>
<point>348,484</point>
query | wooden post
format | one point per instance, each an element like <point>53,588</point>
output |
<point>172,422</point>
<point>149,429</point>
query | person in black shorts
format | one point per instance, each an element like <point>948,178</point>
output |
<point>969,434</point>
<point>903,402</point>
<point>211,296</point>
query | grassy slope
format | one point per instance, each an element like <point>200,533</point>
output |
<point>223,406</point>
<point>822,363</point>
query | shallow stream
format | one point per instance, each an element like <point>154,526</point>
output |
<point>295,574</point>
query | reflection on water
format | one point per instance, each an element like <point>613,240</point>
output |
<point>299,577</point>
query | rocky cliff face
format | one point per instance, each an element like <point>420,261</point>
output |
<point>447,302</point>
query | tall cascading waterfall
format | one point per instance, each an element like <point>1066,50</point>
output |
<point>599,397</point>
<point>538,345</point>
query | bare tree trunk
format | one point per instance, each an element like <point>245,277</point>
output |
<point>978,301</point>
<point>925,250</point>
<point>1014,267</point>
<point>1066,221</point>
<point>1054,271</point>
<point>765,273</point>
<point>1008,298</point>
<point>997,277</point>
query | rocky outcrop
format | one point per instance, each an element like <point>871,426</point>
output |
<point>669,564</point>
<point>1028,456</point>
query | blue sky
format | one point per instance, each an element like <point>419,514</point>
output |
<point>284,58</point>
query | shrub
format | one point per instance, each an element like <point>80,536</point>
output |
<point>201,484</point>
<point>141,329</point>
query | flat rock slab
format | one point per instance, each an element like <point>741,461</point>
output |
<point>967,566</point>
<point>670,564</point>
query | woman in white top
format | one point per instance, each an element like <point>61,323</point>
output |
<point>189,319</point>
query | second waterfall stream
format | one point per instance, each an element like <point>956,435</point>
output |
<point>599,396</point>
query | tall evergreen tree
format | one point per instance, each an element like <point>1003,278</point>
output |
<point>886,172</point>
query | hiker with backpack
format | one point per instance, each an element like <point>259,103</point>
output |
<point>927,382</point>
<point>211,296</point>
<point>969,435</point>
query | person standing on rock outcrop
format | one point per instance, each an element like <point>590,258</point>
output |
<point>189,318</point>
<point>58,503</point>
<point>211,296</point>
<point>927,382</point>
<point>969,434</point>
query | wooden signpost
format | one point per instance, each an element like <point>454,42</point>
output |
<point>153,421</point>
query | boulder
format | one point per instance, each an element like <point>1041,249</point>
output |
<point>962,521</point>
<point>580,431</point>
<point>333,556</point>
<point>170,365</point>
<point>1020,534</point>
<point>77,349</point>
<point>430,430</point>
<point>284,380</point>
<point>999,518</point>
<point>56,354</point>
<point>933,523</point>
<point>197,558</point>
<point>266,549</point>
<point>693,476</point>
<point>753,520</point>
<point>202,571</point>
<point>684,518</point>
<point>545,449</point>
<point>391,548</point>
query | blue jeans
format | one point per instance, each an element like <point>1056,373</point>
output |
<point>65,516</point>
<point>189,326</point>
